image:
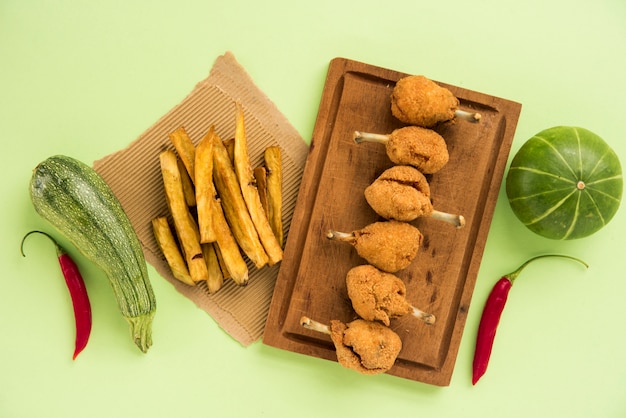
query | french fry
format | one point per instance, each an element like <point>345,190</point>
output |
<point>250,193</point>
<point>273,165</point>
<point>227,247</point>
<point>216,278</point>
<point>230,147</point>
<point>188,188</point>
<point>184,225</point>
<point>260,176</point>
<point>220,259</point>
<point>234,207</point>
<point>204,190</point>
<point>166,241</point>
<point>185,148</point>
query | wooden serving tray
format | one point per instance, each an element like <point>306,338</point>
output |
<point>311,280</point>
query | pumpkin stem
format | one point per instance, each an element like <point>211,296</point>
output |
<point>580,185</point>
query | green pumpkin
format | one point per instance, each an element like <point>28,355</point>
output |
<point>565,183</point>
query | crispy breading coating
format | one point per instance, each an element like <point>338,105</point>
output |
<point>400,193</point>
<point>376,295</point>
<point>417,100</point>
<point>365,346</point>
<point>388,245</point>
<point>419,147</point>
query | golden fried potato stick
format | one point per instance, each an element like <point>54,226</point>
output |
<point>273,164</point>
<point>185,148</point>
<point>230,147</point>
<point>204,190</point>
<point>186,230</point>
<point>251,194</point>
<point>188,187</point>
<point>260,176</point>
<point>167,243</point>
<point>216,278</point>
<point>226,246</point>
<point>234,207</point>
<point>220,259</point>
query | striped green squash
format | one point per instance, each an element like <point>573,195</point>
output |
<point>79,204</point>
<point>565,183</point>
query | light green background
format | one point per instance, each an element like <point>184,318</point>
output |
<point>86,78</point>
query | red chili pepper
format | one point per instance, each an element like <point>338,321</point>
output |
<point>491,316</point>
<point>78,293</point>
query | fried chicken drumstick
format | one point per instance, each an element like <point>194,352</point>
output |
<point>402,193</point>
<point>365,346</point>
<point>388,245</point>
<point>380,296</point>
<point>417,100</point>
<point>419,147</point>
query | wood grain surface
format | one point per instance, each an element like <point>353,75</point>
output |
<point>441,279</point>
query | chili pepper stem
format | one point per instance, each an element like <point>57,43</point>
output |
<point>58,248</point>
<point>513,275</point>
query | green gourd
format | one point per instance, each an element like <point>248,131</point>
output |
<point>76,200</point>
<point>565,183</point>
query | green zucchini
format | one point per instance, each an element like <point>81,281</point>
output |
<point>76,200</point>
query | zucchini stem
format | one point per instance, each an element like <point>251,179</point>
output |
<point>141,330</point>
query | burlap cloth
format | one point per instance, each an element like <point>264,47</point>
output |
<point>133,174</point>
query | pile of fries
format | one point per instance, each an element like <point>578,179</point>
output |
<point>222,209</point>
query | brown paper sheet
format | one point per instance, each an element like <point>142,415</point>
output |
<point>133,174</point>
